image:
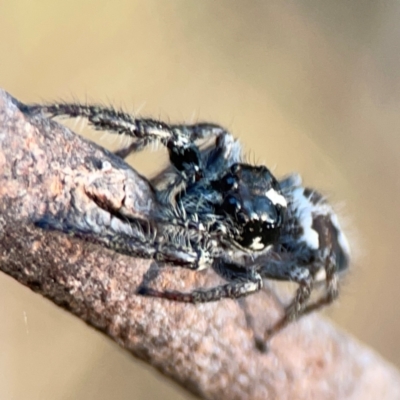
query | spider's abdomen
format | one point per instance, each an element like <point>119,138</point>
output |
<point>318,227</point>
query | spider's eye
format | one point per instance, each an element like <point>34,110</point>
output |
<point>256,235</point>
<point>261,225</point>
<point>235,168</point>
<point>226,183</point>
<point>231,205</point>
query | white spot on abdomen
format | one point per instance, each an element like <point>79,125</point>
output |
<point>304,211</point>
<point>320,275</point>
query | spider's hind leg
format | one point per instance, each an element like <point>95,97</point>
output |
<point>331,289</point>
<point>300,305</point>
<point>289,271</point>
<point>294,310</point>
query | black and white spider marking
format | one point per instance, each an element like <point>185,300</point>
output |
<point>220,212</point>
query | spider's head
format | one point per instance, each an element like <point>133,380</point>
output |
<point>252,199</point>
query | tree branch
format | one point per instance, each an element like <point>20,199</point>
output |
<point>46,170</point>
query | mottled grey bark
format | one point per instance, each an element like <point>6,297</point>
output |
<point>45,170</point>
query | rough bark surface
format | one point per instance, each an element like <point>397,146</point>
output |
<point>46,170</point>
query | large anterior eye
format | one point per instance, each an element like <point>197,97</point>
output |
<point>231,205</point>
<point>256,235</point>
<point>226,183</point>
<point>253,204</point>
<point>258,222</point>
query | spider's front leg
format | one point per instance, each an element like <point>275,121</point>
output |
<point>182,248</point>
<point>178,138</point>
<point>144,131</point>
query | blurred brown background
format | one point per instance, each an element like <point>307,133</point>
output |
<point>308,86</point>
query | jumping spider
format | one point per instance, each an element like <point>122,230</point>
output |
<point>220,212</point>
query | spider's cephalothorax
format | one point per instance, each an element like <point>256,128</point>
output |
<point>244,204</point>
<point>214,210</point>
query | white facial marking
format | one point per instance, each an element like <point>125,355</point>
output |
<point>276,198</point>
<point>256,244</point>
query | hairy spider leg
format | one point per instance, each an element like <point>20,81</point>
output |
<point>184,155</point>
<point>299,307</point>
<point>241,284</point>
<point>185,249</point>
<point>295,309</point>
<point>178,138</point>
<point>331,289</point>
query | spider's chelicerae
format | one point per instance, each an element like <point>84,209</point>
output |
<point>220,212</point>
